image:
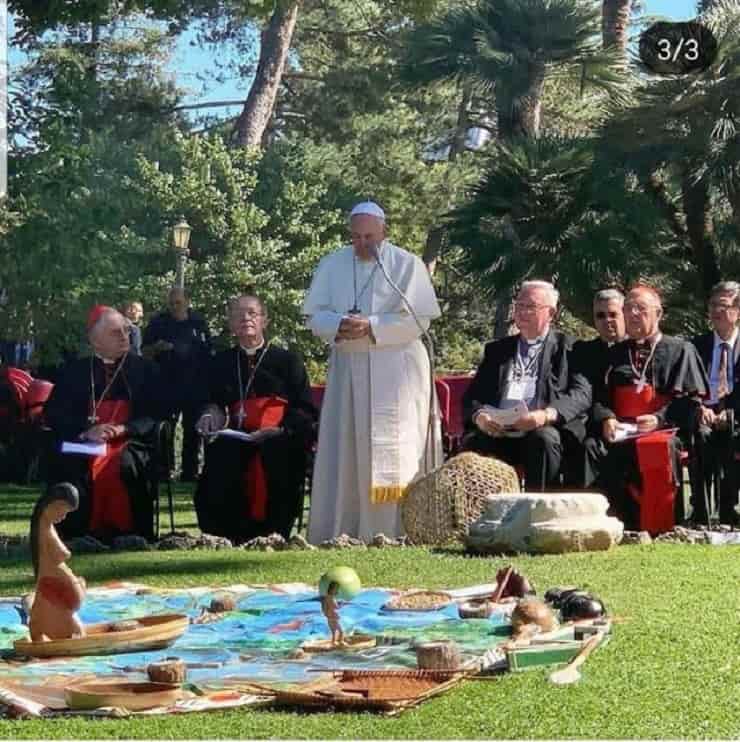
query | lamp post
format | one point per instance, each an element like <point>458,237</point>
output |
<point>180,239</point>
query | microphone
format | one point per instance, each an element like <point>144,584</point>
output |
<point>434,421</point>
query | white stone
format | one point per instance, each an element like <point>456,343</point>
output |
<point>543,523</point>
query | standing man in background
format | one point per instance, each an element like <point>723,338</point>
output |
<point>374,434</point>
<point>133,311</point>
<point>179,341</point>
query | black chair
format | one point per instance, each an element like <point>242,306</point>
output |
<point>162,466</point>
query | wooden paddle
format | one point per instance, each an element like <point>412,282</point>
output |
<point>570,673</point>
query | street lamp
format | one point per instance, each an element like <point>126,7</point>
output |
<point>180,239</point>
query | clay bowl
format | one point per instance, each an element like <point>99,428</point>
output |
<point>126,695</point>
<point>475,609</point>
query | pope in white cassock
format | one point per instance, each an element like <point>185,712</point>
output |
<point>374,433</point>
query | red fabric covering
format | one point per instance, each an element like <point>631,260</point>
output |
<point>59,592</point>
<point>95,314</point>
<point>37,396</point>
<point>658,490</point>
<point>111,506</point>
<point>458,385</point>
<point>443,397</point>
<point>259,413</point>
<point>20,382</point>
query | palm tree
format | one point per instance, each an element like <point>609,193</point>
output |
<point>544,210</point>
<point>615,19</point>
<point>509,47</point>
<point>682,142</point>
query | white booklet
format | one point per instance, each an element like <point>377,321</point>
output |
<point>625,431</point>
<point>240,435</point>
<point>86,448</point>
<point>509,416</point>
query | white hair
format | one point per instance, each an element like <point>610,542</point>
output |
<point>547,287</point>
<point>609,295</point>
<point>727,287</point>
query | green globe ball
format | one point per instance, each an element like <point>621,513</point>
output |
<point>347,580</point>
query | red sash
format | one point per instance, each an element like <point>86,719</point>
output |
<point>259,412</point>
<point>111,505</point>
<point>658,491</point>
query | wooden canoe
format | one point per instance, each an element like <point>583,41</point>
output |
<point>153,632</point>
<point>353,643</point>
<point>126,695</point>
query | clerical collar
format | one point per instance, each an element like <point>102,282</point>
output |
<point>731,340</point>
<point>253,351</point>
<point>650,341</point>
<point>106,361</point>
<point>535,341</point>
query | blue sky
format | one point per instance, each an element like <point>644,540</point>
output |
<point>189,61</point>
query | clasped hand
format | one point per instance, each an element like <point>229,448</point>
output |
<point>645,424</point>
<point>211,422</point>
<point>531,421</point>
<point>353,328</point>
<point>103,432</point>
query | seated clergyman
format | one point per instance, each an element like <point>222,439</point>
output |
<point>254,488</point>
<point>114,398</point>
<point>530,371</point>
<point>653,385</point>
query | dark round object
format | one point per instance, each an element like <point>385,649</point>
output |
<point>556,595</point>
<point>579,605</point>
<point>677,47</point>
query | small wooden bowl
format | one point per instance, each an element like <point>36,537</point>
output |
<point>126,695</point>
<point>171,672</point>
<point>473,609</point>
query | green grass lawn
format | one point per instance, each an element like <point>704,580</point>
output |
<point>672,669</point>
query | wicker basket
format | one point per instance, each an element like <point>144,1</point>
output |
<point>383,690</point>
<point>439,507</point>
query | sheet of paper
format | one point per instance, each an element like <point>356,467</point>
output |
<point>256,437</point>
<point>508,416</point>
<point>624,431</point>
<point>86,448</point>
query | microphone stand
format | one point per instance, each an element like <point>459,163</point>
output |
<point>433,420</point>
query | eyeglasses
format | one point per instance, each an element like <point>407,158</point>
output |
<point>606,315</point>
<point>643,309</point>
<point>528,307</point>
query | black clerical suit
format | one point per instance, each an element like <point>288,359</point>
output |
<point>69,412</point>
<point>586,450</point>
<point>665,379</point>
<point>715,447</point>
<point>182,368</point>
<point>223,500</point>
<point>538,452</point>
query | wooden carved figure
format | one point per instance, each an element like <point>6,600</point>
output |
<point>59,593</point>
<point>329,608</point>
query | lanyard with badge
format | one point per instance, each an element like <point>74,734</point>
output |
<point>524,379</point>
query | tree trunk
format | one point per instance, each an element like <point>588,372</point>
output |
<point>503,317</point>
<point>615,19</point>
<point>275,44</point>
<point>520,116</point>
<point>700,230</point>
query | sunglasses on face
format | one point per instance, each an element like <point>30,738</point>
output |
<point>606,315</point>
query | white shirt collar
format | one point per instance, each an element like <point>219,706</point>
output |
<point>732,340</point>
<point>253,351</point>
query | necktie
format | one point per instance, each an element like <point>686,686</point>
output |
<point>723,388</point>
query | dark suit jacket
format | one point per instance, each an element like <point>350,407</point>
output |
<point>558,385</point>
<point>704,345</point>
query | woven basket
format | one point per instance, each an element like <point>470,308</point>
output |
<point>439,507</point>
